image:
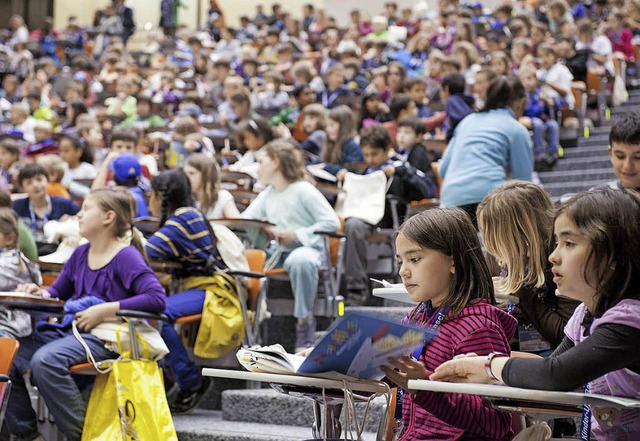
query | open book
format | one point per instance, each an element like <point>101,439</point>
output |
<point>355,345</point>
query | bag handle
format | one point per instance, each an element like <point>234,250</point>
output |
<point>90,358</point>
<point>133,339</point>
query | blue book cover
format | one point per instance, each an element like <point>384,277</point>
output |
<point>357,345</point>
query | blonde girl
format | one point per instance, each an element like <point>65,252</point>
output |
<point>340,147</point>
<point>203,175</point>
<point>107,274</point>
<point>516,222</point>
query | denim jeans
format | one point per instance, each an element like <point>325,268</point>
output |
<point>546,137</point>
<point>179,305</point>
<point>49,354</point>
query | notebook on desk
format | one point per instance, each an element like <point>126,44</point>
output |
<point>356,345</point>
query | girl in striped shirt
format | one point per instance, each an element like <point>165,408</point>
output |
<point>442,268</point>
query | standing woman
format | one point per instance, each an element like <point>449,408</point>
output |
<point>484,146</point>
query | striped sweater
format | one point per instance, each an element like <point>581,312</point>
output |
<point>184,237</point>
<point>479,328</point>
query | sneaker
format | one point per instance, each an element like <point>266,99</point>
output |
<point>305,332</point>
<point>170,385</point>
<point>187,400</point>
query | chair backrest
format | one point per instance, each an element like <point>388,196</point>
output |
<point>8,349</point>
<point>256,259</point>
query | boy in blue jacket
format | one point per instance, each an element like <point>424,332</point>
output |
<point>457,103</point>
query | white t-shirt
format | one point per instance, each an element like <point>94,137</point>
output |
<point>217,211</point>
<point>559,75</point>
<point>83,171</point>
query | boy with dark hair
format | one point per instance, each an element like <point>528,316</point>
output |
<point>457,103</point>
<point>413,152</point>
<point>416,88</point>
<point>38,208</point>
<point>403,106</point>
<point>624,150</point>
<point>122,141</point>
<point>407,183</point>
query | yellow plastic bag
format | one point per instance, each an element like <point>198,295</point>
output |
<point>129,404</point>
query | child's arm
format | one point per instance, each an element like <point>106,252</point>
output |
<point>103,171</point>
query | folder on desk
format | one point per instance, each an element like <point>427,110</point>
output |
<point>356,345</point>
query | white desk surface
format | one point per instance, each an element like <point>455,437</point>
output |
<point>296,380</point>
<point>542,396</point>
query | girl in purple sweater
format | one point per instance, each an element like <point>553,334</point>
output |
<point>105,275</point>
<point>442,268</point>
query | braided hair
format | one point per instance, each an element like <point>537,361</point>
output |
<point>175,188</point>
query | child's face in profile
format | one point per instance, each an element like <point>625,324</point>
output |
<point>69,153</point>
<point>426,274</point>
<point>7,240</point>
<point>94,135</point>
<point>35,187</point>
<point>418,93</point>
<point>374,157</point>
<point>569,260</point>
<point>7,158</point>
<point>252,141</point>
<point>529,81</point>
<point>406,137</point>
<point>41,134</point>
<point>547,59</point>
<point>121,146</point>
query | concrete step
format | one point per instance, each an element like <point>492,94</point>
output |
<point>206,425</point>
<point>594,151</point>
<point>582,163</point>
<point>588,176</point>
<point>560,189</point>
<point>267,406</point>
<point>599,141</point>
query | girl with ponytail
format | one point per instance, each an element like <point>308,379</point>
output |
<point>101,277</point>
<point>184,236</point>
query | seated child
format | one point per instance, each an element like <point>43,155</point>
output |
<point>26,244</point>
<point>412,151</point>
<point>403,106</point>
<point>334,91</point>
<point>314,120</point>
<point>122,141</point>
<point>127,173</point>
<point>457,103</point>
<point>54,165</point>
<point>16,269</point>
<point>255,134</point>
<point>44,142</point>
<point>79,165</point>
<point>272,99</point>
<point>186,141</point>
<point>537,118</point>
<point>409,184</point>
<point>555,77</point>
<point>416,88</point>
<point>9,156</point>
<point>39,208</point>
<point>21,123</point>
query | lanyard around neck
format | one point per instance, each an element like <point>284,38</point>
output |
<point>45,218</point>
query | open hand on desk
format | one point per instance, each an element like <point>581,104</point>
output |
<point>404,369</point>
<point>33,289</point>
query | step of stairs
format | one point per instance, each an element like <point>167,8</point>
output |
<point>209,425</point>
<point>584,151</point>
<point>580,163</point>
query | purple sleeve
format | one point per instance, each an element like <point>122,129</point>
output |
<point>63,287</point>
<point>138,278</point>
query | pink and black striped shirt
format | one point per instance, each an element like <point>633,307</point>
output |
<point>480,328</point>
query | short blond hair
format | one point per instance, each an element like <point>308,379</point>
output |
<point>516,222</point>
<point>54,165</point>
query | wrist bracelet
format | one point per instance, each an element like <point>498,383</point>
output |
<point>487,364</point>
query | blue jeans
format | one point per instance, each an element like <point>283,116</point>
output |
<point>180,305</point>
<point>546,137</point>
<point>49,354</point>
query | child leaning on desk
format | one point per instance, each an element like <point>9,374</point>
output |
<point>16,269</point>
<point>100,278</point>
<point>595,261</point>
<point>442,267</point>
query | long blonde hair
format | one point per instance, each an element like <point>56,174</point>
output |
<point>210,181</point>
<point>516,222</point>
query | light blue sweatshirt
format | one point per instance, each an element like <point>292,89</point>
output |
<point>300,207</point>
<point>484,147</point>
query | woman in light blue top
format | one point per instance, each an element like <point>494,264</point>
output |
<point>297,210</point>
<point>487,147</point>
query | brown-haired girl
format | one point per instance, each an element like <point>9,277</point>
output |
<point>203,175</point>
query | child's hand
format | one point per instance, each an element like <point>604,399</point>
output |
<point>96,314</point>
<point>383,108</point>
<point>406,369</point>
<point>191,145</point>
<point>525,121</point>
<point>110,157</point>
<point>467,368</point>
<point>341,174</point>
<point>33,289</point>
<point>285,237</point>
<point>389,171</point>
